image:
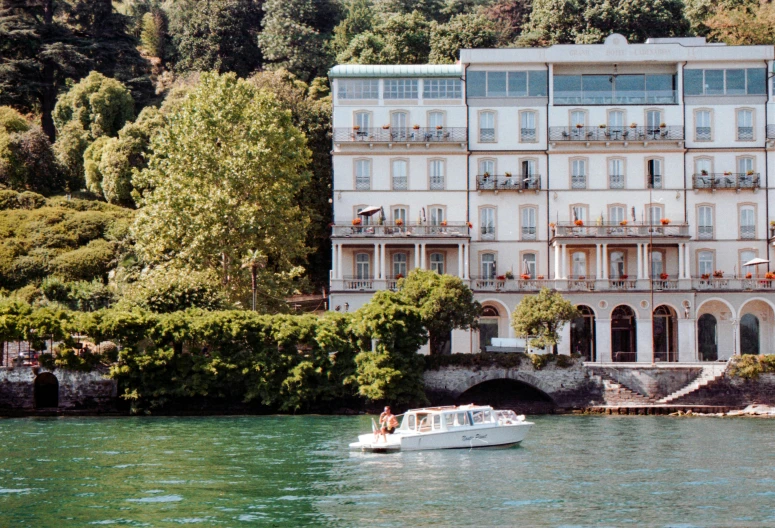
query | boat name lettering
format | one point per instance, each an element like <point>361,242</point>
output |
<point>475,437</point>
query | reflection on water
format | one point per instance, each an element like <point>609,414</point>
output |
<point>290,471</point>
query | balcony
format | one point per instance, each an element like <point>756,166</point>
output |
<point>617,230</point>
<point>732,284</point>
<point>509,285</point>
<point>401,135</point>
<point>726,180</point>
<point>405,230</point>
<point>517,182</point>
<point>667,133</point>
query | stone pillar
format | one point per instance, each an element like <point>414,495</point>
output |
<point>680,261</point>
<point>557,271</point>
<point>460,260</point>
<point>466,258</point>
<point>334,261</point>
<point>423,249</point>
<point>564,261</point>
<point>640,261</point>
<point>687,342</point>
<point>644,339</point>
<point>417,255</point>
<point>598,261</point>
<point>339,266</point>
<point>605,261</point>
<point>603,340</point>
<point>376,261</point>
<point>687,262</point>
<point>382,262</point>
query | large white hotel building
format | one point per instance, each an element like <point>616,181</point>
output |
<point>633,178</point>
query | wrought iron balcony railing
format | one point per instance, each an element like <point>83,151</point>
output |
<point>619,230</point>
<point>516,182</point>
<point>584,133</point>
<point>726,180</point>
<point>406,229</point>
<point>401,135</point>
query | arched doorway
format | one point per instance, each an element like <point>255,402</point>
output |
<point>623,336</point>
<point>707,337</point>
<point>582,333</point>
<point>46,391</point>
<point>749,334</point>
<point>488,327</point>
<point>665,328</point>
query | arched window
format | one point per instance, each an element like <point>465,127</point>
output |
<point>488,327</point>
<point>746,256</point>
<point>582,333</point>
<point>705,222</point>
<point>654,168</point>
<point>705,263</point>
<point>747,222</point>
<point>529,215</point>
<point>437,263</point>
<point>436,168</point>
<point>487,166</point>
<point>749,334</point>
<point>707,337</point>
<point>398,125</point>
<point>435,119</point>
<point>363,121</point>
<point>623,331</point>
<point>486,127</point>
<point>487,220</point>
<point>665,334</point>
<point>362,266</point>
<point>399,265</point>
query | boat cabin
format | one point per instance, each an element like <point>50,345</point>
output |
<point>450,418</point>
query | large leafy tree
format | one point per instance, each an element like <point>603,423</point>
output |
<point>698,11</point>
<point>541,316</point>
<point>740,26</point>
<point>27,160</point>
<point>222,180</point>
<point>216,35</point>
<point>510,14</point>
<point>462,31</point>
<point>358,18</point>
<point>444,303</point>
<point>311,114</point>
<point>295,33</point>
<point>398,39</point>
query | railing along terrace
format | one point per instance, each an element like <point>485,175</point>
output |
<point>516,182</point>
<point>732,283</point>
<point>502,284</point>
<point>392,135</point>
<point>406,229</point>
<point>609,97</point>
<point>617,229</point>
<point>638,133</point>
<point>726,180</point>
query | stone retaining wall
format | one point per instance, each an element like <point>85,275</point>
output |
<point>734,391</point>
<point>653,382</point>
<point>77,390</point>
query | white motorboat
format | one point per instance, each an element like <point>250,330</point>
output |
<point>452,427</point>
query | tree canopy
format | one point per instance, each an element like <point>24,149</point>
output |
<point>541,316</point>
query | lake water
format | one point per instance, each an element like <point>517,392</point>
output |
<point>292,471</point>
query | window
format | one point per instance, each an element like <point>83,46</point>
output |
<point>616,121</point>
<point>437,263</point>
<point>435,119</point>
<point>745,165</point>
<point>436,175</point>
<point>528,170</point>
<point>579,212</point>
<point>362,266</point>
<point>399,265</point>
<point>488,266</point>
<point>399,213</point>
<point>653,120</point>
<point>436,215</point>
<point>616,174</point>
<point>747,222</point>
<point>620,89</point>
<point>578,174</point>
<point>487,166</point>
<point>363,175</point>
<point>746,256</point>
<point>751,81</point>
<point>487,219</point>
<point>705,222</point>
<point>657,264</point>
<point>618,269</point>
<point>744,125</point>
<point>365,219</point>
<point>507,84</point>
<point>703,167</point>
<point>705,263</point>
<point>654,168</point>
<point>579,262</point>
<point>529,265</point>
<point>400,178</point>
<point>398,128</point>
<point>442,89</point>
<point>487,126</point>
<point>702,131</point>
<point>529,223</point>
<point>655,214</point>
<point>363,120</point>
<point>616,215</point>
<point>527,127</point>
<point>400,89</point>
<point>578,119</point>
<point>358,89</point>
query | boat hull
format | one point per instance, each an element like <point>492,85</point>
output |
<point>468,438</point>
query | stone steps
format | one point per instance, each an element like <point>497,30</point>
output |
<point>710,373</point>
<point>616,394</point>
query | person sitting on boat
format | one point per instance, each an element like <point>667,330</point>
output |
<point>387,422</point>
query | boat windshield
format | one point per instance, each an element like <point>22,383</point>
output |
<point>456,419</point>
<point>482,417</point>
<point>506,417</point>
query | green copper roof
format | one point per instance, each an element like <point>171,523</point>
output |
<point>405,70</point>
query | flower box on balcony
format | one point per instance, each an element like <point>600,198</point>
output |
<point>749,173</point>
<point>665,221</point>
<point>416,127</point>
<point>399,277</point>
<point>357,221</point>
<point>633,125</point>
<point>385,127</point>
<point>509,275</point>
<point>662,125</point>
<point>663,276</point>
<point>625,277</point>
<point>524,277</point>
<point>579,223</point>
<point>356,128</point>
<point>443,223</point>
<point>718,274</point>
<point>540,277</point>
<point>602,126</point>
<point>399,222</point>
<point>500,277</point>
<point>748,275</point>
<point>439,127</point>
<point>579,125</point>
<point>623,223</point>
<point>705,276</point>
<point>769,275</point>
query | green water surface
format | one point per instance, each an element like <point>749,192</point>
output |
<point>294,471</point>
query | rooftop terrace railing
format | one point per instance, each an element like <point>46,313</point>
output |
<point>406,229</point>
<point>596,133</point>
<point>404,135</point>
<point>621,230</point>
<point>726,180</point>
<point>516,182</point>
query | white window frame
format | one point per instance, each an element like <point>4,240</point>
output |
<point>404,89</point>
<point>353,89</point>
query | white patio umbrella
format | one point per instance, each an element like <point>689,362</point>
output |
<point>370,210</point>
<point>755,262</point>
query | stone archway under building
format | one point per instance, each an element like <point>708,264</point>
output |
<point>46,391</point>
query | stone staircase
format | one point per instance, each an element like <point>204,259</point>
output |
<point>617,395</point>
<point>710,373</point>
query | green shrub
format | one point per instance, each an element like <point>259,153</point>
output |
<point>31,200</point>
<point>86,226</point>
<point>165,290</point>
<point>539,361</point>
<point>751,367</point>
<point>475,361</point>
<point>85,263</point>
<point>28,294</point>
<point>8,199</point>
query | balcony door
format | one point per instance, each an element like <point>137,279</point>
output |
<point>653,120</point>
<point>363,120</point>
<point>362,266</point>
<point>398,122</point>
<point>623,334</point>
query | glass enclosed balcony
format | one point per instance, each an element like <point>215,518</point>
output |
<point>614,89</point>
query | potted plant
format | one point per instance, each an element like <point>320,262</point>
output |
<point>727,173</point>
<point>749,275</point>
<point>718,274</point>
<point>552,225</point>
<point>509,275</point>
<point>540,277</point>
<point>399,276</point>
<point>486,175</point>
<point>705,276</point>
<point>663,276</point>
<point>385,127</point>
<point>416,127</point>
<point>579,222</point>
<point>356,127</point>
<point>582,277</point>
<point>439,127</point>
<point>664,221</point>
<point>399,222</point>
<point>579,125</point>
<point>357,221</point>
<point>500,277</point>
<point>623,223</point>
<point>470,225</point>
<point>508,175</point>
<point>704,172</point>
<point>662,125</point>
<point>625,277</point>
<point>524,276</point>
<point>602,126</point>
<point>443,223</point>
<point>633,125</point>
<point>769,275</point>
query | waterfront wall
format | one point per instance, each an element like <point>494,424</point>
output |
<point>28,389</point>
<point>734,391</point>
<point>654,382</point>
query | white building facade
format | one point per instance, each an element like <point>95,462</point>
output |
<point>633,178</point>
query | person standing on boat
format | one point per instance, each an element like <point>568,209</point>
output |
<point>387,422</point>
